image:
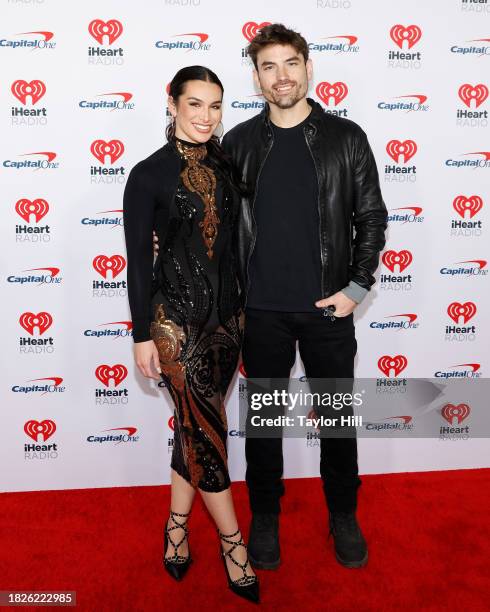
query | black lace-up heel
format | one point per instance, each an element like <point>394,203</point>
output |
<point>245,586</point>
<point>176,565</point>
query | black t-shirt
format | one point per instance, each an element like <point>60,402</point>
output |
<point>285,267</point>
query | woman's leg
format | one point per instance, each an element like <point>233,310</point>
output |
<point>220,506</point>
<point>182,496</point>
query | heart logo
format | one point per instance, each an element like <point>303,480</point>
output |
<point>326,91</point>
<point>397,364</point>
<point>451,412</point>
<point>21,89</point>
<point>477,94</point>
<point>100,148</point>
<point>115,263</point>
<point>98,29</point>
<point>25,208</point>
<point>41,320</point>
<point>410,34</point>
<point>251,29</point>
<point>396,148</point>
<point>40,429</point>
<point>116,372</point>
<point>402,259</point>
<point>473,204</point>
<point>456,310</point>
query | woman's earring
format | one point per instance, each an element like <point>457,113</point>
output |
<point>222,130</point>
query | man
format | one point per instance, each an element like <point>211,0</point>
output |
<point>314,181</point>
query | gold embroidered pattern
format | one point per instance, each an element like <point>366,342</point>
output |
<point>200,179</point>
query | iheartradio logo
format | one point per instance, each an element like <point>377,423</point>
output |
<point>408,36</point>
<point>26,208</point>
<point>100,149</point>
<point>171,423</point>
<point>40,431</point>
<point>450,412</point>
<point>41,321</point>
<point>397,149</point>
<point>331,91</point>
<point>251,29</point>
<point>241,369</point>
<point>396,364</point>
<point>117,373</point>
<point>473,96</point>
<point>110,30</point>
<point>459,311</point>
<point>114,264</point>
<point>22,89</point>
<point>471,205</point>
<point>402,259</point>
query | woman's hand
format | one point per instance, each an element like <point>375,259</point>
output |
<point>146,355</point>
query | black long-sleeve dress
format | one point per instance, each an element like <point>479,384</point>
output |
<point>187,302</point>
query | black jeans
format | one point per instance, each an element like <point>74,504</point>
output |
<point>327,349</point>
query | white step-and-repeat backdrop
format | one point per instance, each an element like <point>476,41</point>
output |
<point>83,98</point>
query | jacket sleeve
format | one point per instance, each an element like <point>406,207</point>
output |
<point>369,215</point>
<point>138,214</point>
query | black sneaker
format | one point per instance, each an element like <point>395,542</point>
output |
<point>263,541</point>
<point>350,545</point>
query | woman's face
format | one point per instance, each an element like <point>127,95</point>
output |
<point>197,111</point>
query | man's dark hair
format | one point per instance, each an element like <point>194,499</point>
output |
<point>277,34</point>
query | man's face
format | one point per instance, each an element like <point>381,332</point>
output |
<point>282,75</point>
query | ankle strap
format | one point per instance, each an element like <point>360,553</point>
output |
<point>223,536</point>
<point>172,514</point>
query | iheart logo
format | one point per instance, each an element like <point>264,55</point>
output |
<point>402,259</point>
<point>338,91</point>
<point>171,423</point>
<point>251,29</point>
<point>25,208</point>
<point>465,311</point>
<point>40,429</point>
<point>112,29</point>
<point>116,372</point>
<point>451,412</point>
<point>462,204</point>
<point>115,263</point>
<point>21,89</point>
<point>396,148</point>
<point>397,364</point>
<point>477,94</point>
<point>241,369</point>
<point>100,148</point>
<point>410,34</point>
<point>41,320</point>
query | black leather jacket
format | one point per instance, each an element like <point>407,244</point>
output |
<point>353,216</point>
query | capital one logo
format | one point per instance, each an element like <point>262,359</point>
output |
<point>40,431</point>
<point>471,205</point>
<point>41,321</point>
<point>459,311</point>
<point>402,259</point>
<point>408,36</point>
<point>22,89</point>
<point>251,29</point>
<point>451,412</point>
<point>473,96</point>
<point>397,364</point>
<point>25,208</point>
<point>103,264</point>
<point>110,30</point>
<point>100,149</point>
<point>331,91</point>
<point>117,373</point>
<point>396,149</point>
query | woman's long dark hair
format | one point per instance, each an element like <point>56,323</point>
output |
<point>213,145</point>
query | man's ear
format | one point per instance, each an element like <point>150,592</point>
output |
<point>309,69</point>
<point>256,80</point>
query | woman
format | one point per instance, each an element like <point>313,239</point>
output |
<point>185,309</point>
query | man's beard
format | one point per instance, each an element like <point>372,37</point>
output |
<point>286,101</point>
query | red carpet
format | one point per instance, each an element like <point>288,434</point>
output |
<point>429,538</point>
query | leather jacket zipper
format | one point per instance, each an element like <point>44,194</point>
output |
<point>253,217</point>
<point>322,257</point>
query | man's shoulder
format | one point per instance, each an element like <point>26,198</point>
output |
<point>245,127</point>
<point>342,125</point>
